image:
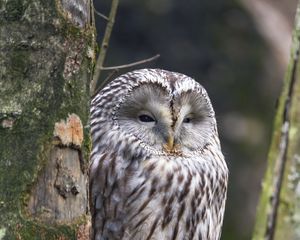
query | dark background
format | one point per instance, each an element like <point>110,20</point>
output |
<point>224,45</point>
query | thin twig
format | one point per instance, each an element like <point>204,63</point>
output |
<point>131,64</point>
<point>101,15</point>
<point>116,69</point>
<point>93,23</point>
<point>104,45</point>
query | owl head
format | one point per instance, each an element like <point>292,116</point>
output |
<point>163,111</point>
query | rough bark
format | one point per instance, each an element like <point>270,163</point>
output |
<point>46,61</point>
<point>278,214</point>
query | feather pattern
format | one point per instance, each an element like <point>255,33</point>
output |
<point>139,191</point>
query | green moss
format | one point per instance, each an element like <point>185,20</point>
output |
<point>264,206</point>
<point>285,227</point>
<point>68,28</point>
<point>19,61</point>
<point>32,230</point>
<point>14,10</point>
<point>23,152</point>
<point>35,93</point>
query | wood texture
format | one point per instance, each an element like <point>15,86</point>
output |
<point>46,61</point>
<point>278,214</point>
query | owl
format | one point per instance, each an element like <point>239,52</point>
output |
<point>157,171</point>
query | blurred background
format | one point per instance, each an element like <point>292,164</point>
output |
<point>238,50</point>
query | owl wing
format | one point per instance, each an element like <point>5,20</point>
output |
<point>109,177</point>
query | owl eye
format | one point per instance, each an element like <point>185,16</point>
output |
<point>145,118</point>
<point>187,120</point>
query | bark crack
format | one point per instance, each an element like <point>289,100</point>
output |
<point>282,155</point>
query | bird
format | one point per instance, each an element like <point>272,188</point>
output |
<point>156,170</point>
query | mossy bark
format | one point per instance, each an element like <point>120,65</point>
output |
<point>278,213</point>
<point>46,61</point>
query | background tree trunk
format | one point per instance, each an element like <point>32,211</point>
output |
<point>278,214</point>
<point>46,61</point>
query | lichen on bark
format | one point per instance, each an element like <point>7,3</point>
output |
<point>278,213</point>
<point>45,70</point>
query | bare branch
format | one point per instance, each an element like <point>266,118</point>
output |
<point>101,15</point>
<point>132,64</point>
<point>104,45</point>
<point>116,69</point>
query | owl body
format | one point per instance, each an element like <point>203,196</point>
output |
<point>157,171</point>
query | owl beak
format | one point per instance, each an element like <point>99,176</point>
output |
<point>170,142</point>
<point>169,146</point>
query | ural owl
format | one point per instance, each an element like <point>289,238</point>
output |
<point>157,171</point>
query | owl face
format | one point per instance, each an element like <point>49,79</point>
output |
<point>170,114</point>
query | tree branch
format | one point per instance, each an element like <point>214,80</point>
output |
<point>282,152</point>
<point>278,207</point>
<point>115,69</point>
<point>100,14</point>
<point>131,64</point>
<point>104,45</point>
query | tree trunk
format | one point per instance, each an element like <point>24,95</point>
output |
<point>46,61</point>
<point>278,214</point>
